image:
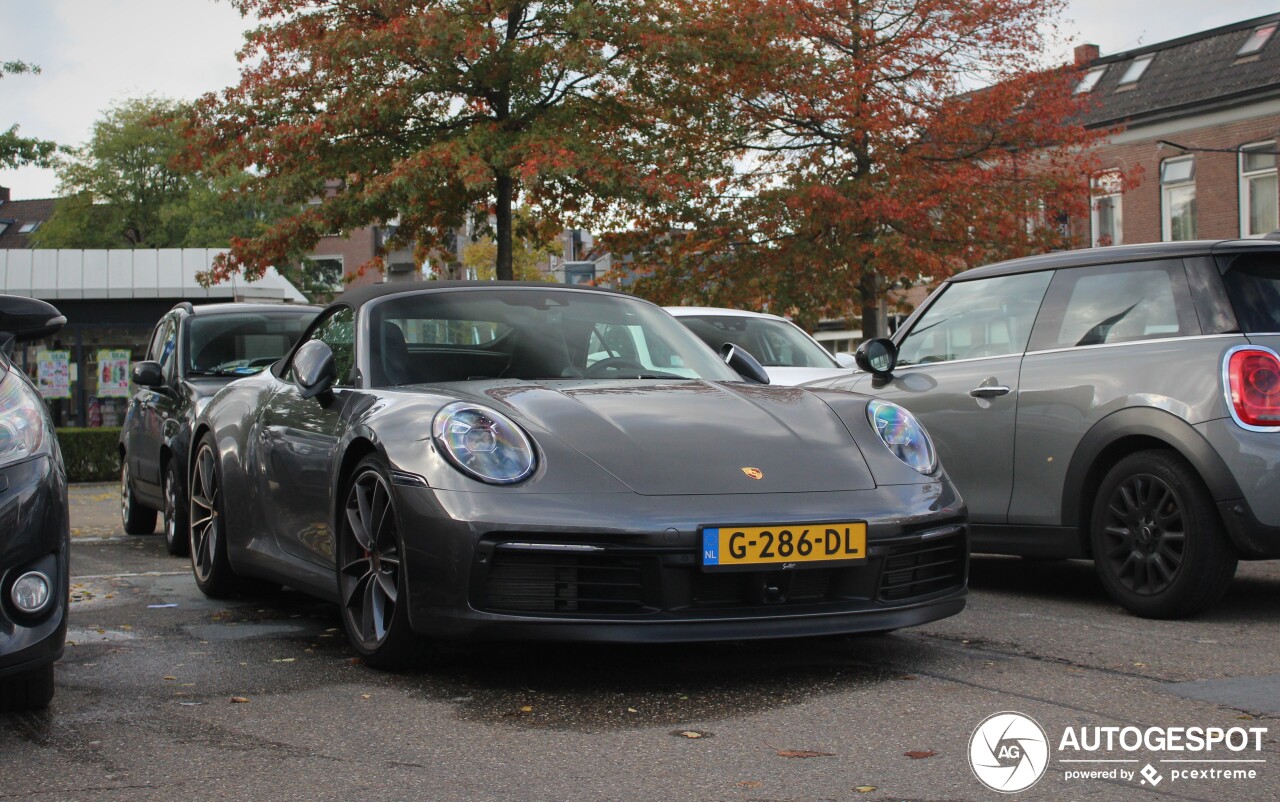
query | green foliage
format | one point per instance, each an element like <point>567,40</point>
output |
<point>126,188</point>
<point>16,150</point>
<point>91,455</point>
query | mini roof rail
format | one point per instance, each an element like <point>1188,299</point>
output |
<point>185,306</point>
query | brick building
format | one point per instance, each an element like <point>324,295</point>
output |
<point>1200,121</point>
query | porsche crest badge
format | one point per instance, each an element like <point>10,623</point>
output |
<point>753,473</point>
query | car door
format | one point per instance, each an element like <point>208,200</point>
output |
<point>154,406</point>
<point>958,371</point>
<point>1109,337</point>
<point>296,439</point>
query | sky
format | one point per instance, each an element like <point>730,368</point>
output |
<point>96,53</point>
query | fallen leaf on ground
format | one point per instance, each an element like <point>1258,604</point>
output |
<point>239,700</point>
<point>690,734</point>
<point>920,754</point>
<point>632,710</point>
<point>169,678</point>
<point>865,789</point>
<point>803,753</point>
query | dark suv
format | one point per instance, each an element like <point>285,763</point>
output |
<point>194,352</point>
<point>1120,404</point>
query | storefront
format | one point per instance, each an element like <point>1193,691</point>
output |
<point>112,300</point>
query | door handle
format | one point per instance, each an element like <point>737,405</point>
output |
<point>989,391</point>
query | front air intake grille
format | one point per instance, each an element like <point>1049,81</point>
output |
<point>564,583</point>
<point>923,568</point>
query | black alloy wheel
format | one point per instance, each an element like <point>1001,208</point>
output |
<point>371,578</point>
<point>1158,545</point>
<point>207,527</point>
<point>176,538</point>
<point>136,519</point>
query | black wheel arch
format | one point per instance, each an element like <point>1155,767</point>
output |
<point>357,448</point>
<point>1128,431</point>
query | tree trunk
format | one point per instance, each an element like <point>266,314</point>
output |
<point>870,301</point>
<point>505,190</point>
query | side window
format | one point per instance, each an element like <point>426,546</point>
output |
<point>972,319</point>
<point>165,348</point>
<point>1117,303</point>
<point>338,332</point>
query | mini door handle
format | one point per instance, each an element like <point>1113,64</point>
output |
<point>989,391</point>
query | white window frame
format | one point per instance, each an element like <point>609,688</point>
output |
<point>1246,177</point>
<point>1166,216</point>
<point>1107,185</point>
<point>342,273</point>
<point>1136,69</point>
<point>1090,80</point>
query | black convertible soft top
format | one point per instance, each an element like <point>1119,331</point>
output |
<point>362,295</point>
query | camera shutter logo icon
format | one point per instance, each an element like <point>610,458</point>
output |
<point>1008,752</point>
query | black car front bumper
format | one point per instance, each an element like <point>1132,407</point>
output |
<point>626,568</point>
<point>34,534</point>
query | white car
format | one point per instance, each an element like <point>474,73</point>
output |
<point>787,352</point>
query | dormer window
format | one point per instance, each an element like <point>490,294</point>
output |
<point>1090,80</point>
<point>1136,68</point>
<point>27,228</point>
<point>1257,40</point>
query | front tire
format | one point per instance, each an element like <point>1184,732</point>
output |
<point>30,690</point>
<point>372,587</point>
<point>207,526</point>
<point>136,519</point>
<point>176,537</point>
<point>1159,547</point>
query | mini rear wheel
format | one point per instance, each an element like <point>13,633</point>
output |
<point>1159,547</point>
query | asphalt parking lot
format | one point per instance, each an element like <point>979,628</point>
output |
<point>165,695</point>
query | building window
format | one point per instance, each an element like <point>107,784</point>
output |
<point>1105,216</point>
<point>1257,40</point>
<point>1259,212</point>
<point>1136,68</point>
<point>27,228</point>
<point>1090,80</point>
<point>1178,198</point>
<point>327,272</point>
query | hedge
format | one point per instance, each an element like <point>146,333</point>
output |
<point>91,455</point>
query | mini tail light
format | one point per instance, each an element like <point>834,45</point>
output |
<point>1253,386</point>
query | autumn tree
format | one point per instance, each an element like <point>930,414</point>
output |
<point>16,150</point>
<point>897,140</point>
<point>438,112</point>
<point>125,188</point>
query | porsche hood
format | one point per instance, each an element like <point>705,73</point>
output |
<point>692,438</point>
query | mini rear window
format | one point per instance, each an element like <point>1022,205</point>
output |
<point>1253,285</point>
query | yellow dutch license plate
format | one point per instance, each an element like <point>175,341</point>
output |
<point>784,545</point>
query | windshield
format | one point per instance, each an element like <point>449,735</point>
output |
<point>241,343</point>
<point>533,334</point>
<point>1253,284</point>
<point>775,343</point>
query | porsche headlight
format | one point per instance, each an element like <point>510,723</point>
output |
<point>484,444</point>
<point>22,429</point>
<point>903,435</point>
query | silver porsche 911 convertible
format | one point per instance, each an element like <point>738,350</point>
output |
<point>535,461</point>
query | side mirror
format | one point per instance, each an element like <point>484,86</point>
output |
<point>314,369</point>
<point>25,318</point>
<point>741,360</point>
<point>878,355</point>
<point>148,374</point>
<point>847,360</point>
